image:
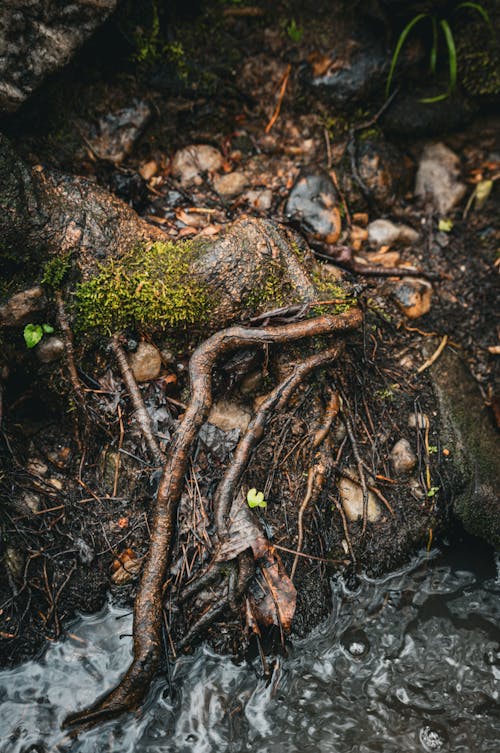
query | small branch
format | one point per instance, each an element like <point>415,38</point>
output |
<point>141,413</point>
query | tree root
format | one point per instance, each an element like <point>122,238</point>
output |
<point>148,605</point>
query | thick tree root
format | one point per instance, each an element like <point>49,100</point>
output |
<point>148,605</point>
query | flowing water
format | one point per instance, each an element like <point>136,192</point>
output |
<point>409,662</point>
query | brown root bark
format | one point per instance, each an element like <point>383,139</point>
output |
<point>148,605</point>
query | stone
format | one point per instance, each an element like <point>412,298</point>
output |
<point>351,496</point>
<point>49,349</point>
<point>418,420</point>
<point>403,457</point>
<point>31,501</point>
<point>116,132</point>
<point>190,163</point>
<point>259,199</point>
<point>21,306</point>
<point>385,233</point>
<point>349,73</point>
<point>385,170</point>
<point>230,184</point>
<point>227,415</point>
<point>313,201</point>
<point>37,467</point>
<point>39,38</point>
<point>145,362</point>
<point>470,471</point>
<point>438,178</point>
<point>413,296</point>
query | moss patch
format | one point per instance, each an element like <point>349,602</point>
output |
<point>55,270</point>
<point>149,288</point>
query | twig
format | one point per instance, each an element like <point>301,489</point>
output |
<point>435,355</point>
<point>141,413</point>
<point>281,94</point>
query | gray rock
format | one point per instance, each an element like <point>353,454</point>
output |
<point>20,307</point>
<point>189,163</point>
<point>403,458</point>
<point>260,199</point>
<point>49,349</point>
<point>38,38</point>
<point>117,132</point>
<point>472,467</point>
<point>313,201</point>
<point>145,362</point>
<point>438,178</point>
<point>385,233</point>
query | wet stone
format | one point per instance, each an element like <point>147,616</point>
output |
<point>145,362</point>
<point>384,169</point>
<point>49,349</point>
<point>403,458</point>
<point>230,184</point>
<point>413,296</point>
<point>116,133</point>
<point>228,415</point>
<point>313,201</point>
<point>351,496</point>
<point>192,162</point>
<point>385,233</point>
<point>21,306</point>
<point>260,200</point>
<point>438,178</point>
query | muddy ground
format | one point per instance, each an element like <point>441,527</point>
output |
<point>71,519</point>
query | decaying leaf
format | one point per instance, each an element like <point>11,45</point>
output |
<point>125,567</point>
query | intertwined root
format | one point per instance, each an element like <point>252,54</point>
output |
<point>148,605</point>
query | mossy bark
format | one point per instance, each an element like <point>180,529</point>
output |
<point>127,273</point>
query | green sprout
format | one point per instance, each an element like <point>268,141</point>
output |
<point>33,333</point>
<point>438,25</point>
<point>256,499</point>
<point>295,33</point>
<point>432,491</point>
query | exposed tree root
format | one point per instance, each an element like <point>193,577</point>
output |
<point>148,605</point>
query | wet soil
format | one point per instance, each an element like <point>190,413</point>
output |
<point>68,519</point>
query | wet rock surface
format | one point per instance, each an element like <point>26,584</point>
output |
<point>413,296</point>
<point>314,201</point>
<point>438,178</point>
<point>39,38</point>
<point>474,448</point>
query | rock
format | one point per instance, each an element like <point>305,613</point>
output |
<point>251,382</point>
<point>403,458</point>
<point>39,38</point>
<point>409,116</point>
<point>385,233</point>
<point>418,420</point>
<point>37,467</point>
<point>230,184</point>
<point>228,415</point>
<point>413,296</point>
<point>438,178</point>
<point>471,470</point>
<point>31,501</point>
<point>49,349</point>
<point>20,307</point>
<point>384,169</point>
<point>145,362</point>
<point>259,199</point>
<point>313,201</point>
<point>131,187</point>
<point>345,76</point>
<point>117,132</point>
<point>191,162</point>
<point>351,496</point>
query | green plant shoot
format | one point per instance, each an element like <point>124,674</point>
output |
<point>256,499</point>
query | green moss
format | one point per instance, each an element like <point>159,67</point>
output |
<point>149,288</point>
<point>274,289</point>
<point>55,270</point>
<point>329,290</point>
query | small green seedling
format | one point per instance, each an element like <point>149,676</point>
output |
<point>33,333</point>
<point>295,33</point>
<point>433,491</point>
<point>256,499</point>
<point>445,226</point>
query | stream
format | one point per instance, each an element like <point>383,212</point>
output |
<point>408,662</point>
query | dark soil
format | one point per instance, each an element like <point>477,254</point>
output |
<point>67,517</point>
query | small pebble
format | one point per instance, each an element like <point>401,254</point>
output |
<point>403,458</point>
<point>145,362</point>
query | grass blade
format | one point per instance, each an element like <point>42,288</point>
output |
<point>435,42</point>
<point>402,39</point>
<point>479,8</point>
<point>452,52</point>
